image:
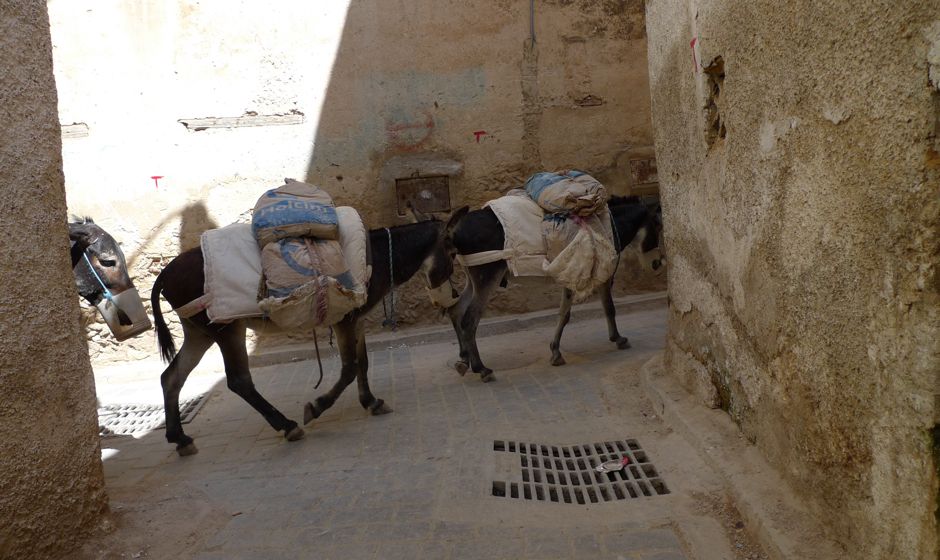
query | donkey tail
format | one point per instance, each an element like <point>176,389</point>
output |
<point>164,336</point>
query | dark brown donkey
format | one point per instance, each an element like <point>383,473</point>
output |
<point>412,248</point>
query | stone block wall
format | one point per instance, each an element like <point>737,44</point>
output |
<point>798,159</point>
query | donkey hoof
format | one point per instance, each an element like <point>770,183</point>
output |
<point>188,449</point>
<point>487,376</point>
<point>461,367</point>
<point>380,408</point>
<point>558,360</point>
<point>309,413</point>
<point>294,434</point>
<point>623,343</point>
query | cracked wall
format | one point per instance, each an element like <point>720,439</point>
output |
<point>367,85</point>
<point>803,244</point>
<point>50,468</point>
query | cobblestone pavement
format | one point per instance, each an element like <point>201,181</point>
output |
<point>419,483</point>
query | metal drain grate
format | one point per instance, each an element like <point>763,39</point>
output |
<point>565,473</point>
<point>130,419</point>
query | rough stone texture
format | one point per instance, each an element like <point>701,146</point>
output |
<point>803,244</point>
<point>378,83</point>
<point>50,468</point>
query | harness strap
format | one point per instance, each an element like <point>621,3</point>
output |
<point>316,345</point>
<point>194,307</point>
<point>107,293</point>
<point>390,312</point>
<point>485,257</point>
<point>613,226</point>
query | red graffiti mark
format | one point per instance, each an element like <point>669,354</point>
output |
<point>694,61</point>
<point>156,178</point>
<point>410,135</point>
<point>478,134</point>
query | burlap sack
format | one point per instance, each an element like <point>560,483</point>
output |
<point>295,209</point>
<point>290,263</point>
<point>308,283</point>
<point>567,191</point>
<point>580,254</point>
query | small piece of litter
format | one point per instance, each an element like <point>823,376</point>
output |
<point>613,465</point>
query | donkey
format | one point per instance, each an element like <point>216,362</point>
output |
<point>635,224</point>
<point>98,264</point>
<point>397,254</point>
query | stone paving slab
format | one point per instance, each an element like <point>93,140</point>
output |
<point>418,483</point>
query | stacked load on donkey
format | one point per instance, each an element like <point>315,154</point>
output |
<point>307,280</point>
<point>576,229</point>
<point>295,209</point>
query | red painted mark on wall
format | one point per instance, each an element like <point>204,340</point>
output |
<point>156,179</point>
<point>694,61</point>
<point>478,134</point>
<point>409,135</point>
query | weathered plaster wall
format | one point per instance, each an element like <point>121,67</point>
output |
<point>803,244</point>
<point>383,85</point>
<point>51,484</point>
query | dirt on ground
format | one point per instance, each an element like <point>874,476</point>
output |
<point>147,526</point>
<point>721,507</point>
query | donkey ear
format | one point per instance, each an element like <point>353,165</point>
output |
<point>454,219</point>
<point>415,214</point>
<point>80,233</point>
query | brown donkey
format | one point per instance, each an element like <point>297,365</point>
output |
<point>401,250</point>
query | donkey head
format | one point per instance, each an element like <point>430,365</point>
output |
<point>641,228</point>
<point>439,264</point>
<point>98,264</point>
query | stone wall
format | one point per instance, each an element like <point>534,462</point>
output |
<point>349,94</point>
<point>798,150</point>
<point>50,468</point>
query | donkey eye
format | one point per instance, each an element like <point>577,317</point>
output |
<point>107,262</point>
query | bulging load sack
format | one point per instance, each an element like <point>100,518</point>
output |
<point>579,251</point>
<point>309,282</point>
<point>295,209</point>
<point>567,191</point>
<point>290,263</point>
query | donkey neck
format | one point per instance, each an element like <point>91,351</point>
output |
<point>628,218</point>
<point>410,246</point>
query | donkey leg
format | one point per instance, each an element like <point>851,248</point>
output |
<point>564,315</point>
<point>456,314</point>
<point>195,344</point>
<point>366,398</point>
<point>611,313</point>
<point>231,341</point>
<point>485,278</point>
<point>345,332</point>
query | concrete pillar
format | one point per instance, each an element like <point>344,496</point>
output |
<point>51,482</point>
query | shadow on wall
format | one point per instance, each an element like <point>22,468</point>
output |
<point>405,98</point>
<point>194,220</point>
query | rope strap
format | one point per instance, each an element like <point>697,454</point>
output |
<point>107,293</point>
<point>390,312</point>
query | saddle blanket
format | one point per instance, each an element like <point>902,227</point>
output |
<point>233,272</point>
<point>524,249</point>
<point>577,252</point>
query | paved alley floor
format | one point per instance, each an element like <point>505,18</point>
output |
<point>461,469</point>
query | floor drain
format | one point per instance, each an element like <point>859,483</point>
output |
<point>565,473</point>
<point>131,419</point>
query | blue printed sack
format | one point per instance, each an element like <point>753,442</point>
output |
<point>295,209</point>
